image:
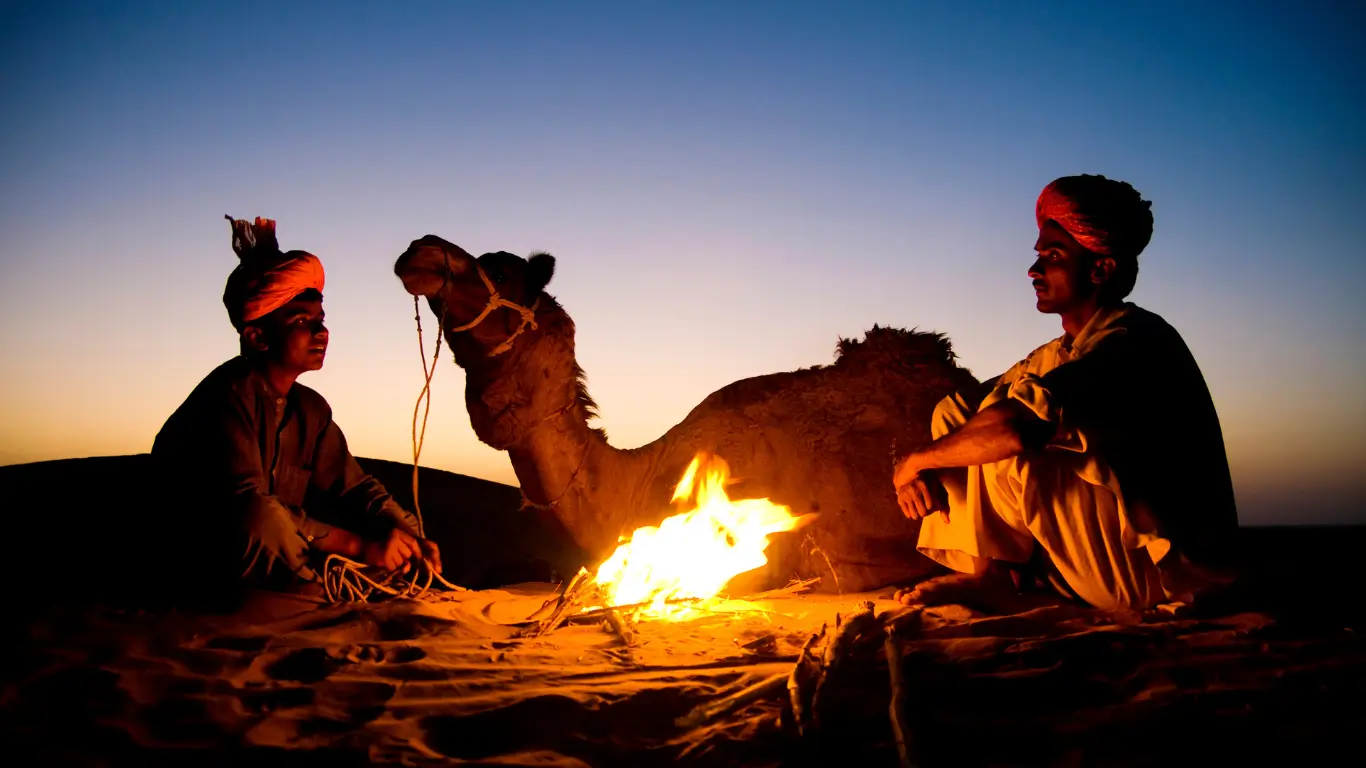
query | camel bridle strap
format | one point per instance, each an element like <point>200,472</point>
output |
<point>496,301</point>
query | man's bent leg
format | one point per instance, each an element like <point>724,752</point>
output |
<point>1081,527</point>
<point>971,534</point>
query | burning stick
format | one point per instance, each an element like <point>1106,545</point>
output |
<point>619,626</point>
<point>798,683</point>
<point>762,690</point>
<point>568,598</point>
<point>598,613</point>
<point>846,635</point>
<point>795,588</point>
<point>900,729</point>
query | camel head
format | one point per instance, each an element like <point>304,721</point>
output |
<point>488,301</point>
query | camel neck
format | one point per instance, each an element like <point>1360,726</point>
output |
<point>531,403</point>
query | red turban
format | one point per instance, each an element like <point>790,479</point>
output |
<point>266,279</point>
<point>1107,217</point>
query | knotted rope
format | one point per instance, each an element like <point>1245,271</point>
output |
<point>496,300</point>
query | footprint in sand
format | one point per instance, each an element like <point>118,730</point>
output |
<point>310,665</point>
<point>306,665</point>
<point>276,699</point>
<point>366,653</point>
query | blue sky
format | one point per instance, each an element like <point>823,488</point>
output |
<point>728,187</point>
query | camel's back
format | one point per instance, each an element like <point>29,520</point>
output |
<point>820,440</point>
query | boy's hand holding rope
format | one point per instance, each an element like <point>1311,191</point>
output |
<point>345,579</point>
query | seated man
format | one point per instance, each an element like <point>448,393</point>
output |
<point>1099,456</point>
<point>250,450</point>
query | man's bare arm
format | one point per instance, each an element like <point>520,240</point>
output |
<point>999,432</point>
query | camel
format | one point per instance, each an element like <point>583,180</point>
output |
<point>819,440</point>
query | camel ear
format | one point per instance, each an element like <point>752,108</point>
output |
<point>540,268</point>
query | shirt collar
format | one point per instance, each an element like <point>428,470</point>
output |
<point>1103,323</point>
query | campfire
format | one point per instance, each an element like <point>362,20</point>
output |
<point>680,567</point>
<point>692,555</point>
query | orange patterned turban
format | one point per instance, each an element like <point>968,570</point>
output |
<point>1107,217</point>
<point>266,279</point>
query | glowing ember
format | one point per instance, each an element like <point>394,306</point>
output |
<point>695,553</point>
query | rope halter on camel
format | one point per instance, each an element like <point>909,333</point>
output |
<point>495,301</point>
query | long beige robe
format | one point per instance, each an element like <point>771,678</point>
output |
<point>1131,499</point>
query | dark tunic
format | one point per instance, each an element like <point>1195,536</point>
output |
<point>234,449</point>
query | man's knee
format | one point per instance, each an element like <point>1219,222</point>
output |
<point>951,413</point>
<point>954,410</point>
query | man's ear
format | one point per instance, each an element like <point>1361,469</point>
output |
<point>254,338</point>
<point>540,268</point>
<point>1102,269</point>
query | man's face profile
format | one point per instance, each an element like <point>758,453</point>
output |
<point>292,337</point>
<point>1062,272</point>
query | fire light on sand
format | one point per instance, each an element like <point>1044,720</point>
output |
<point>693,554</point>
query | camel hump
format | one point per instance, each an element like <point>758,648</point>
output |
<point>861,366</point>
<point>895,346</point>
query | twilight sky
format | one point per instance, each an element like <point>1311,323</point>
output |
<point>728,189</point>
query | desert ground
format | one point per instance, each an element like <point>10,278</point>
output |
<point>103,670</point>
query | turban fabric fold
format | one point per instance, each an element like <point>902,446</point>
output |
<point>266,279</point>
<point>1105,216</point>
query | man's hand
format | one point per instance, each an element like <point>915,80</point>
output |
<point>431,553</point>
<point>393,552</point>
<point>922,496</point>
<point>905,470</point>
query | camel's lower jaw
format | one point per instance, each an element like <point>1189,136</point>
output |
<point>424,284</point>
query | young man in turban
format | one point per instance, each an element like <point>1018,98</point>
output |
<point>1097,460</point>
<point>254,460</point>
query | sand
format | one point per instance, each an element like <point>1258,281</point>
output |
<point>1277,677</point>
<point>445,681</point>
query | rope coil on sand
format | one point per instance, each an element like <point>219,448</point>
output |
<point>346,580</point>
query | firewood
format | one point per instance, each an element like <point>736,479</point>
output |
<point>795,588</point>
<point>564,608</point>
<point>799,682</point>
<point>846,635</point>
<point>619,626</point>
<point>700,714</point>
<point>901,731</point>
<point>600,613</point>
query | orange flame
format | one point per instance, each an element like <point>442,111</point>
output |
<point>695,553</point>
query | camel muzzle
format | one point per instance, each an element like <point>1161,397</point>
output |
<point>424,271</point>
